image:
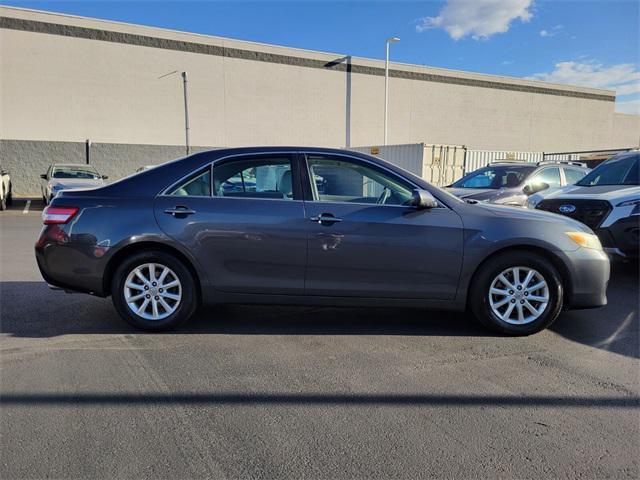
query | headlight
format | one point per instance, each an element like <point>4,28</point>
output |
<point>629,203</point>
<point>586,240</point>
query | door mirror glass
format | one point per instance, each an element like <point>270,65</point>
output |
<point>535,188</point>
<point>422,199</point>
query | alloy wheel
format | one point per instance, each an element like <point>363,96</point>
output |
<point>519,295</point>
<point>152,291</point>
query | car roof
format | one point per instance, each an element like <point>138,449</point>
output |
<point>72,165</point>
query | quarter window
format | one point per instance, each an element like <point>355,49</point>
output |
<point>339,180</point>
<point>197,186</point>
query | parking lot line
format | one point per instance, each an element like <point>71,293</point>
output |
<point>26,207</point>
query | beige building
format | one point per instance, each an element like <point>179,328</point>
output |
<point>65,79</point>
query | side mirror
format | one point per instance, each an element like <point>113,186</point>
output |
<point>531,189</point>
<point>422,199</point>
<point>104,177</point>
<point>43,176</point>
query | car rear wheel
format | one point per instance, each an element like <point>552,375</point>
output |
<point>154,291</point>
<point>517,293</point>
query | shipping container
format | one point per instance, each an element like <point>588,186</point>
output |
<point>438,164</point>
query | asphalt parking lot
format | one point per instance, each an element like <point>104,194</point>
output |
<point>274,392</point>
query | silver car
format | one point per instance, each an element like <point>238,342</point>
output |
<point>64,176</point>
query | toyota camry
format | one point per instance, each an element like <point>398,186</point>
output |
<point>320,226</point>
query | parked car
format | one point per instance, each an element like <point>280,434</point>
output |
<point>6,194</point>
<point>607,200</point>
<point>376,235</point>
<point>63,176</point>
<point>145,167</point>
<point>509,183</point>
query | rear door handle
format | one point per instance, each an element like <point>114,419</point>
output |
<point>179,211</point>
<point>325,218</point>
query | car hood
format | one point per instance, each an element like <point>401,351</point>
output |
<point>480,194</point>
<point>528,215</point>
<point>604,192</point>
<point>76,183</point>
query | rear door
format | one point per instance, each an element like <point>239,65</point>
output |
<point>244,221</point>
<point>365,242</point>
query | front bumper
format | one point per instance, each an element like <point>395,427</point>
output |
<point>589,272</point>
<point>622,238</point>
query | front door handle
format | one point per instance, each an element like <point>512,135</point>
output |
<point>325,218</point>
<point>179,211</point>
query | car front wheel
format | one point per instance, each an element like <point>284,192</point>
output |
<point>517,293</point>
<point>154,291</point>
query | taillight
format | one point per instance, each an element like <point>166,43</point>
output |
<point>58,215</point>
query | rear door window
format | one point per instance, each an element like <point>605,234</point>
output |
<point>550,176</point>
<point>573,175</point>
<point>255,177</point>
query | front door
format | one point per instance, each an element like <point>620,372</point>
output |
<point>364,241</point>
<point>244,222</point>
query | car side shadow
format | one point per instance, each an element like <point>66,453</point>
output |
<point>31,309</point>
<point>614,328</point>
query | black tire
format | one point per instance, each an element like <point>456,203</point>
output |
<point>188,303</point>
<point>488,271</point>
<point>10,196</point>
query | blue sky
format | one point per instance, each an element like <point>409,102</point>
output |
<point>591,43</point>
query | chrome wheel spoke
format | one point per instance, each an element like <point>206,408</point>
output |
<point>165,305</point>
<point>135,286</point>
<point>520,312</point>
<point>531,308</point>
<point>507,314</point>
<point>537,298</point>
<point>143,307</point>
<point>502,302</point>
<point>172,284</point>
<point>170,295</point>
<point>135,298</point>
<point>140,276</point>
<point>154,308</point>
<point>498,291</point>
<point>537,286</point>
<point>506,282</point>
<point>163,275</point>
<point>527,279</point>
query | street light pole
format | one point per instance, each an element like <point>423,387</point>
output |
<point>186,111</point>
<point>386,84</point>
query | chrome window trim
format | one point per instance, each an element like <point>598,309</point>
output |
<point>163,193</point>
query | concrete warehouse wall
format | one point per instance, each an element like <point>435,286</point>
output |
<point>66,79</point>
<point>27,159</point>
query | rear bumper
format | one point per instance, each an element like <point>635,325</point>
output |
<point>69,265</point>
<point>589,272</point>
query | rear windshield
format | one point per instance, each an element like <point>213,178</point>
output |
<point>621,170</point>
<point>75,172</point>
<point>495,177</point>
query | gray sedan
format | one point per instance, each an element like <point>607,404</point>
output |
<point>174,237</point>
<point>63,176</point>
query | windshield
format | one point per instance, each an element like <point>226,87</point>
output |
<point>495,177</point>
<point>75,172</point>
<point>617,171</point>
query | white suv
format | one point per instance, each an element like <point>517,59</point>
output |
<point>607,200</point>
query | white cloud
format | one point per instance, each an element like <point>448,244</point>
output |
<point>544,33</point>
<point>630,106</point>
<point>478,18</point>
<point>624,77</point>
